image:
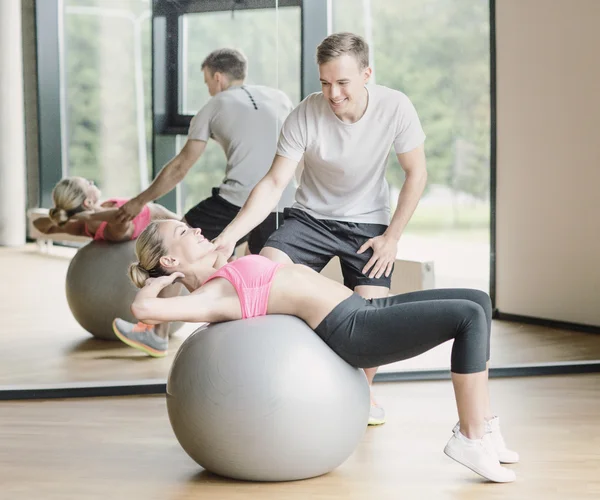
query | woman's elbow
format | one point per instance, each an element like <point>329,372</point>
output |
<point>141,311</point>
<point>42,228</point>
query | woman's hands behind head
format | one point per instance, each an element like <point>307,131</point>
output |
<point>164,281</point>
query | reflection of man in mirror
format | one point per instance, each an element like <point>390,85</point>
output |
<point>246,121</point>
<point>343,135</point>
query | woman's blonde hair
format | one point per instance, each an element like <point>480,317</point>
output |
<point>149,249</point>
<point>68,196</point>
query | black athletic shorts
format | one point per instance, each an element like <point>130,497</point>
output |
<point>214,213</point>
<point>314,242</point>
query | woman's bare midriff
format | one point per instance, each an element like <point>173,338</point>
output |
<point>299,291</point>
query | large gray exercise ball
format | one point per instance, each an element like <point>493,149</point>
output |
<point>265,399</point>
<point>98,287</point>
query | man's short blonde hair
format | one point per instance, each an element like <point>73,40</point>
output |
<point>339,44</point>
<point>230,62</point>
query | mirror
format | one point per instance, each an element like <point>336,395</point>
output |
<point>106,87</point>
<point>107,135</point>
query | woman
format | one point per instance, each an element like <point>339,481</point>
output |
<point>363,332</point>
<point>78,211</point>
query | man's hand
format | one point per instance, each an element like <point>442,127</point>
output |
<point>129,211</point>
<point>224,245</point>
<point>385,248</point>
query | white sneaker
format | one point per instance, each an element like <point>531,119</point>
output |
<point>376,414</point>
<point>479,456</point>
<point>505,456</point>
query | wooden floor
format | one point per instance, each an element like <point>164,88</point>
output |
<point>124,448</point>
<point>43,344</point>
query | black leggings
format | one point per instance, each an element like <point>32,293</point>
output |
<point>373,332</point>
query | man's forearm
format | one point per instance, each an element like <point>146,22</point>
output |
<point>258,206</point>
<point>409,197</point>
<point>165,181</point>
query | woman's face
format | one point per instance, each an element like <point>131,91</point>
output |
<point>92,193</point>
<point>184,244</point>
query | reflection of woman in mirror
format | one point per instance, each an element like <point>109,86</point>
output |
<point>78,211</point>
<point>363,332</point>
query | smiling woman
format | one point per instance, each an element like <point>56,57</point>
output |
<point>78,211</point>
<point>406,325</point>
<point>151,249</point>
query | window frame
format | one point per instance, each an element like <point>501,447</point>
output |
<point>168,66</point>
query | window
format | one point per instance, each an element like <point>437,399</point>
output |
<point>260,34</point>
<point>437,52</point>
<point>106,93</point>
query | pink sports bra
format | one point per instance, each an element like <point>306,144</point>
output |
<point>140,222</point>
<point>252,277</point>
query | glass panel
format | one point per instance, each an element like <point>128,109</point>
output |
<point>106,62</point>
<point>255,33</point>
<point>437,52</point>
<point>207,173</point>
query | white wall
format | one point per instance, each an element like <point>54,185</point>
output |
<point>548,162</point>
<point>12,128</point>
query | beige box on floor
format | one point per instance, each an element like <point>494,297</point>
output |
<point>408,275</point>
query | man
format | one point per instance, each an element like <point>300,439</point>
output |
<point>245,120</point>
<point>344,135</point>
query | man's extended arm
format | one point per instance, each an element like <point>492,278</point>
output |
<point>260,203</point>
<point>415,167</point>
<point>170,175</point>
<point>385,246</point>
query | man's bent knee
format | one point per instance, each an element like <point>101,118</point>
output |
<point>372,292</point>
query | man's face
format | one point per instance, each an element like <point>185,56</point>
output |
<point>212,81</point>
<point>342,82</point>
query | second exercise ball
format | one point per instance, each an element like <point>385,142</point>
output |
<point>98,287</point>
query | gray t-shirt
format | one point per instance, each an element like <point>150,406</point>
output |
<point>246,121</point>
<point>344,163</point>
